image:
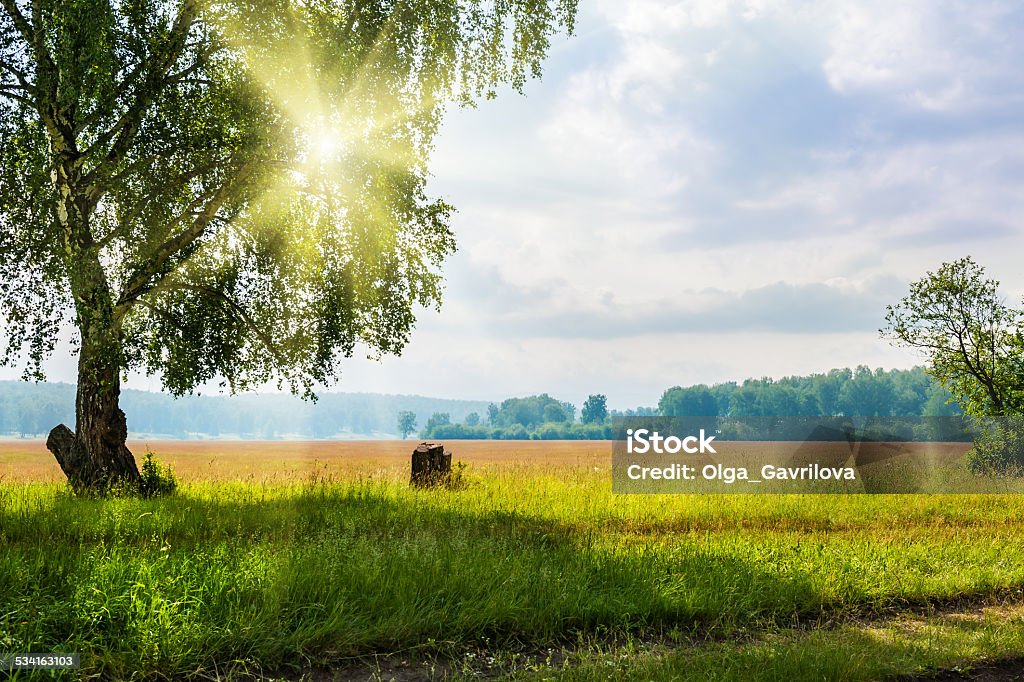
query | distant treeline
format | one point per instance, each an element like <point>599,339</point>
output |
<point>840,392</point>
<point>31,410</point>
<point>548,431</point>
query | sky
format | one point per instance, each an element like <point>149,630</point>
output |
<point>712,190</point>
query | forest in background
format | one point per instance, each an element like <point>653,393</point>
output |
<point>29,410</point>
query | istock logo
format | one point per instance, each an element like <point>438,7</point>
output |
<point>641,441</point>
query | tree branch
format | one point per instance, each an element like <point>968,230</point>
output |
<point>125,222</point>
<point>20,75</point>
<point>150,273</point>
<point>175,322</point>
<point>20,22</point>
<point>237,309</point>
<point>11,93</point>
<point>155,69</point>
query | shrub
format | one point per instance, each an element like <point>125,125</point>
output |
<point>155,479</point>
<point>459,478</point>
<point>999,448</point>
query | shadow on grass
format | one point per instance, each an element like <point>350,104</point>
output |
<point>189,583</point>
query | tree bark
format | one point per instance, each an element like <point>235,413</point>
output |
<point>95,457</point>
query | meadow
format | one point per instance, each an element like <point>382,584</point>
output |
<point>316,560</point>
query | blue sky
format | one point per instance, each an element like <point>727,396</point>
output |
<point>705,191</point>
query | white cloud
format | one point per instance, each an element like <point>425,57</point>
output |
<point>940,56</point>
<point>910,190</point>
<point>937,55</point>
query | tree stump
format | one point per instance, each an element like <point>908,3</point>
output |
<point>431,465</point>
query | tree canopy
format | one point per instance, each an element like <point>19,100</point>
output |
<point>241,184</point>
<point>532,411</point>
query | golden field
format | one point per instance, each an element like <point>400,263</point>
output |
<point>283,461</point>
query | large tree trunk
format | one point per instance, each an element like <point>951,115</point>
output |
<point>95,456</point>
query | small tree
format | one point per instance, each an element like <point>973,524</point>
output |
<point>975,350</point>
<point>972,339</point>
<point>472,419</point>
<point>595,409</point>
<point>406,423</point>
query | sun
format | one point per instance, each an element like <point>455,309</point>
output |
<point>325,143</point>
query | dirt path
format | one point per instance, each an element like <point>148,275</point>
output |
<point>1006,671</point>
<point>910,623</point>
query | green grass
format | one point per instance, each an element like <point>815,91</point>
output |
<point>241,576</point>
